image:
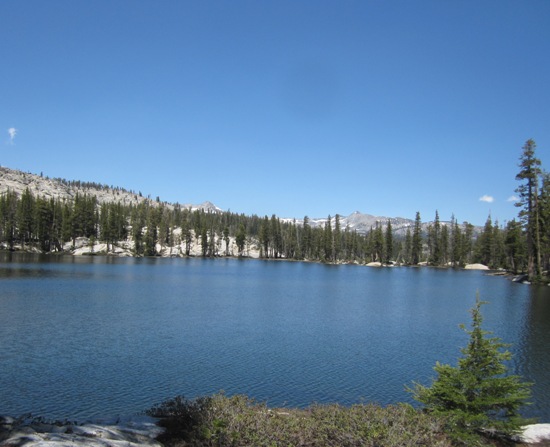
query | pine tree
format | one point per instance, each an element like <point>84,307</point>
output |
<point>240,238</point>
<point>444,245</point>
<point>378,246</point>
<point>434,242</point>
<point>528,200</point>
<point>476,396</point>
<point>277,236</point>
<point>264,237</point>
<point>408,247</point>
<point>467,242</point>
<point>226,240</point>
<point>416,250</point>
<point>44,222</point>
<point>8,212</point>
<point>306,239</point>
<point>337,237</point>
<point>291,241</point>
<point>25,217</point>
<point>328,241</point>
<point>204,241</point>
<point>186,233</point>
<point>485,244</point>
<point>389,243</point>
<point>105,234</point>
<point>544,217</point>
<point>456,243</point>
<point>514,246</point>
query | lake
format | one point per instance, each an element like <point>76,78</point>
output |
<point>89,337</point>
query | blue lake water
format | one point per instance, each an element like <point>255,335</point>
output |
<point>87,337</point>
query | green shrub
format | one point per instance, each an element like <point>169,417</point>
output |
<point>239,421</point>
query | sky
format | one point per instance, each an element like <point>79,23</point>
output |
<point>286,107</point>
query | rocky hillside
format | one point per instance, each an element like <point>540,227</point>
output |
<point>38,185</point>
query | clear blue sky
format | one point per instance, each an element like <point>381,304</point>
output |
<point>281,107</point>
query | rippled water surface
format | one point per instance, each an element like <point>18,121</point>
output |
<point>88,337</point>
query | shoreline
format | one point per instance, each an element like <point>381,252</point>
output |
<point>135,431</point>
<point>84,250</point>
<point>144,431</point>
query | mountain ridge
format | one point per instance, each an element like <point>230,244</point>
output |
<point>57,188</point>
<point>17,181</point>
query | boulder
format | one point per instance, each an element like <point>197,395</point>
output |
<point>534,434</point>
<point>476,267</point>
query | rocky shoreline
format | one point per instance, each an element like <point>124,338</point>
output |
<point>141,431</point>
<point>130,432</point>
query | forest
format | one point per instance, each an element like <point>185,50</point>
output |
<point>521,246</point>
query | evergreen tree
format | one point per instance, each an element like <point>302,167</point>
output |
<point>306,239</point>
<point>277,237</point>
<point>408,247</point>
<point>476,395</point>
<point>226,240</point>
<point>485,248</point>
<point>44,223</point>
<point>389,243</point>
<point>204,241</point>
<point>434,243</point>
<point>378,243</point>
<point>67,224</point>
<point>57,224</point>
<point>105,234</point>
<point>291,241</point>
<point>265,237</point>
<point>186,233</point>
<point>544,218</point>
<point>138,220</point>
<point>328,242</point>
<point>8,213</point>
<point>456,243</point>
<point>25,217</point>
<point>416,250</point>
<point>337,237</point>
<point>515,247</point>
<point>528,201</point>
<point>444,245</point>
<point>150,248</point>
<point>467,243</point>
<point>240,239</point>
<point>499,251</point>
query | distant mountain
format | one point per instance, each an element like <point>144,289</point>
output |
<point>38,185</point>
<point>362,223</point>
<point>18,181</point>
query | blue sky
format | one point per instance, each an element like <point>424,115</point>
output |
<point>281,107</point>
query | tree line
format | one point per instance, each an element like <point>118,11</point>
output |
<point>522,245</point>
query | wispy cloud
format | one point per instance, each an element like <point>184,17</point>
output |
<point>12,132</point>
<point>513,199</point>
<point>486,198</point>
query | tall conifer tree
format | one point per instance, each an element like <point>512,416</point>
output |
<point>530,170</point>
<point>416,250</point>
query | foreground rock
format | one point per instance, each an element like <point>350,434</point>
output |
<point>535,434</point>
<point>137,431</point>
